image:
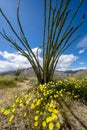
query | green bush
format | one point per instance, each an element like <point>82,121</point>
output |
<point>76,88</point>
<point>7,82</point>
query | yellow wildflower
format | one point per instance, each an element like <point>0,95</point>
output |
<point>37,112</point>
<point>13,105</point>
<point>21,105</point>
<point>58,125</point>
<point>13,110</point>
<point>6,112</point>
<point>11,118</point>
<point>27,102</point>
<point>48,119</point>
<point>60,82</point>
<point>55,96</point>
<point>56,111</point>
<point>2,110</point>
<point>51,104</point>
<point>51,126</point>
<point>36,118</point>
<point>38,102</point>
<point>36,123</point>
<point>20,101</point>
<point>50,109</point>
<point>32,106</point>
<point>50,97</point>
<point>26,96</point>
<point>17,100</point>
<point>54,116</point>
<point>44,124</point>
<point>25,114</point>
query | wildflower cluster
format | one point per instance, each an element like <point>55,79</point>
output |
<point>9,112</point>
<point>77,88</point>
<point>40,105</point>
<point>46,108</point>
<point>20,105</point>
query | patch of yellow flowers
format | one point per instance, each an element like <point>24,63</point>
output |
<point>42,103</point>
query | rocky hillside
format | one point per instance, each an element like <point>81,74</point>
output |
<point>58,74</point>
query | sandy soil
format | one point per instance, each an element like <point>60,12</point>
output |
<point>7,95</point>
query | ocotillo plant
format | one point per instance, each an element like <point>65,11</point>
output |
<point>57,37</point>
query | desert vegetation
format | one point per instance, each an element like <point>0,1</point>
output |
<point>41,107</point>
<point>7,81</point>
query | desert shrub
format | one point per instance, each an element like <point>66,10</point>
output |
<point>21,78</point>
<point>7,82</point>
<point>76,87</point>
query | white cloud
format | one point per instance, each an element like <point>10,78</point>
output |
<point>83,42</point>
<point>82,51</point>
<point>12,61</point>
<point>79,68</point>
<point>65,61</point>
<point>6,65</point>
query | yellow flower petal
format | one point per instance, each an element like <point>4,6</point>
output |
<point>36,123</point>
<point>11,118</point>
<point>58,125</point>
<point>51,126</point>
<point>44,124</point>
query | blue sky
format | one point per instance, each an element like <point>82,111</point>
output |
<point>31,15</point>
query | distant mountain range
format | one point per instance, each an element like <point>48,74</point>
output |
<point>58,74</point>
<point>71,73</point>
